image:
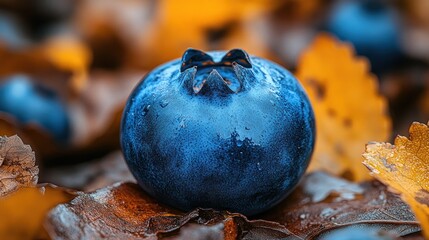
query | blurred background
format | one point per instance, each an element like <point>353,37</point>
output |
<point>68,66</point>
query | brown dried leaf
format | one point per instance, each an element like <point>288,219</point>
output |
<point>310,212</point>
<point>337,83</point>
<point>17,165</point>
<point>197,232</point>
<point>404,167</point>
<point>23,212</point>
<point>123,210</point>
<point>319,205</point>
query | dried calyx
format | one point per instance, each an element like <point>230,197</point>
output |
<point>203,75</point>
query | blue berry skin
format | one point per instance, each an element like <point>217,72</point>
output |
<point>372,26</point>
<point>218,130</point>
<point>29,102</point>
<point>358,233</point>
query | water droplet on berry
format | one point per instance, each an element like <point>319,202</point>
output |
<point>163,103</point>
<point>146,110</point>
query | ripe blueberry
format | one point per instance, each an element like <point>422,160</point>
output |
<point>372,26</point>
<point>219,130</point>
<point>30,102</point>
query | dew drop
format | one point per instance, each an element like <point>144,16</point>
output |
<point>146,110</point>
<point>239,143</point>
<point>327,212</point>
<point>163,103</point>
<point>247,128</point>
<point>42,190</point>
<point>182,123</point>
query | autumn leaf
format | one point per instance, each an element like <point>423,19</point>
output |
<point>123,210</point>
<point>23,212</point>
<point>23,205</point>
<point>404,167</point>
<point>319,205</point>
<point>71,55</point>
<point>17,165</point>
<point>177,26</point>
<point>322,204</point>
<point>348,109</point>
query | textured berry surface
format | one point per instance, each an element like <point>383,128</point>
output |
<point>220,130</point>
<point>29,102</point>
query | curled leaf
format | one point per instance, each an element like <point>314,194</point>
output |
<point>348,109</point>
<point>404,167</point>
<point>344,204</point>
<point>123,210</point>
<point>17,165</point>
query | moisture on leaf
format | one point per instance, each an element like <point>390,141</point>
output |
<point>323,204</point>
<point>349,111</point>
<point>404,167</point>
<point>319,205</point>
<point>17,165</point>
<point>123,210</point>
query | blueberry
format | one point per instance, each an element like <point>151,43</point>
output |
<point>372,26</point>
<point>218,130</point>
<point>358,233</point>
<point>30,102</point>
<point>11,32</point>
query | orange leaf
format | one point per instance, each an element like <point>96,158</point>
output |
<point>348,109</point>
<point>404,167</point>
<point>23,212</point>
<point>69,54</point>
<point>178,25</point>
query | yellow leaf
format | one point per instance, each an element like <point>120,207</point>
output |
<point>178,25</point>
<point>404,167</point>
<point>23,212</point>
<point>349,111</point>
<point>70,55</point>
